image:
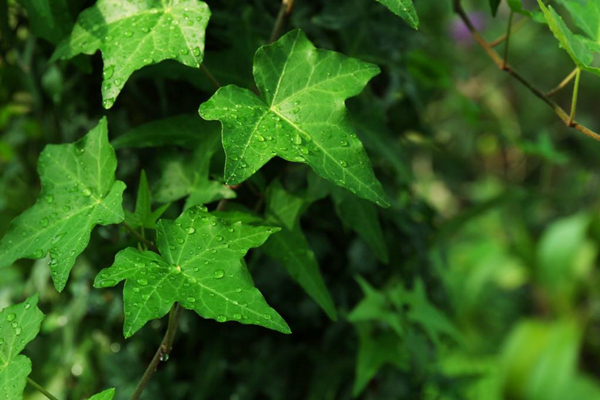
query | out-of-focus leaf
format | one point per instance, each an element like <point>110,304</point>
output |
<point>19,325</point>
<point>49,19</point>
<point>180,179</point>
<point>79,191</point>
<point>290,247</point>
<point>137,33</point>
<point>301,116</point>
<point>494,4</point>
<point>198,267</point>
<point>182,130</point>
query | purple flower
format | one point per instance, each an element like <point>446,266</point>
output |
<point>459,31</point>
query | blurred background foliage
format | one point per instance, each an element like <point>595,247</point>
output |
<point>491,290</point>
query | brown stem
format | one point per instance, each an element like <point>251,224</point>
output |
<point>162,353</point>
<point>562,114</point>
<point>284,14</point>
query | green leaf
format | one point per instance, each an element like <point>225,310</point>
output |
<point>49,19</point>
<point>199,267</point>
<point>105,395</point>
<point>376,307</point>
<point>290,247</point>
<point>192,179</point>
<point>78,192</point>
<point>137,33</point>
<point>517,6</point>
<point>143,216</point>
<point>375,350</point>
<point>182,130</point>
<point>19,325</point>
<point>300,117</point>
<point>360,215</point>
<point>405,9</point>
<point>580,48</point>
<point>494,4</point>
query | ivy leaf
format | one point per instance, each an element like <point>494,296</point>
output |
<point>144,216</point>
<point>300,117</point>
<point>376,349</point>
<point>192,179</point>
<point>182,130</point>
<point>49,19</point>
<point>360,215</point>
<point>580,48</point>
<point>134,34</point>
<point>494,4</point>
<point>290,247</point>
<point>199,267</point>
<point>405,9</point>
<point>78,192</point>
<point>105,395</point>
<point>19,325</point>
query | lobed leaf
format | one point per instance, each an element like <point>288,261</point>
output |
<point>79,191</point>
<point>19,325</point>
<point>405,9</point>
<point>300,116</point>
<point>136,33</point>
<point>198,267</point>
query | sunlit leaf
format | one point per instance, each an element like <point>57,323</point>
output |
<point>405,9</point>
<point>79,191</point>
<point>137,33</point>
<point>198,267</point>
<point>300,116</point>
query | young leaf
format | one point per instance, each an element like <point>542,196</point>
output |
<point>494,4</point>
<point>199,267</point>
<point>137,33</point>
<point>290,247</point>
<point>300,117</point>
<point>180,179</point>
<point>19,325</point>
<point>143,215</point>
<point>581,49</point>
<point>105,395</point>
<point>78,192</point>
<point>182,130</point>
<point>405,9</point>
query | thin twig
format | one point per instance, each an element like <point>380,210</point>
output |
<point>210,76</point>
<point>284,13</point>
<point>516,26</point>
<point>40,389</point>
<point>562,114</point>
<point>564,83</point>
<point>575,95</point>
<point>139,237</point>
<point>507,43</point>
<point>162,353</point>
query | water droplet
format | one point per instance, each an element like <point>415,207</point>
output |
<point>108,72</point>
<point>219,238</point>
<point>190,230</point>
<point>44,221</point>
<point>128,34</point>
<point>49,198</point>
<point>18,330</point>
<point>191,299</point>
<point>11,317</point>
<point>343,163</point>
<point>142,282</point>
<point>87,192</point>
<point>267,316</point>
<point>221,318</point>
<point>218,274</point>
<point>196,51</point>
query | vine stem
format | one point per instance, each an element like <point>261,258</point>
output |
<point>139,237</point>
<point>284,13</point>
<point>162,353</point>
<point>210,76</point>
<point>564,83</point>
<point>516,26</point>
<point>41,389</point>
<point>506,44</point>
<point>558,110</point>
<point>574,99</point>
